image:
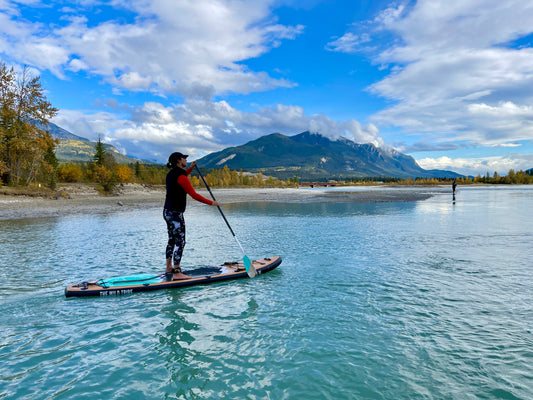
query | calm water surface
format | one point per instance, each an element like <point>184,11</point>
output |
<point>422,300</point>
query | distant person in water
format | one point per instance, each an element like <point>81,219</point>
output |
<point>454,185</point>
<point>178,186</point>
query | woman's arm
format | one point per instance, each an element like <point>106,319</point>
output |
<point>189,170</point>
<point>186,184</point>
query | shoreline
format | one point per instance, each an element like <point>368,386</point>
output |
<point>85,199</point>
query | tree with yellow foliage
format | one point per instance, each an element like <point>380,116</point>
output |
<point>123,173</point>
<point>70,172</point>
<point>24,114</point>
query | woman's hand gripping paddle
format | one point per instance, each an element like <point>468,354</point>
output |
<point>250,269</point>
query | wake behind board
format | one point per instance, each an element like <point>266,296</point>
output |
<point>145,282</point>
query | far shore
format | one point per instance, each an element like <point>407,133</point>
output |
<point>85,199</point>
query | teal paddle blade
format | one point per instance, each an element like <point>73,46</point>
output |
<point>250,269</point>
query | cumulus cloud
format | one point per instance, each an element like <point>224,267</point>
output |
<point>199,127</point>
<point>195,49</point>
<point>454,75</point>
<point>481,165</point>
<point>88,124</point>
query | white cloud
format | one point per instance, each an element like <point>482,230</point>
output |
<point>453,73</point>
<point>474,24</point>
<point>199,127</point>
<point>348,43</point>
<point>390,15</point>
<point>133,81</point>
<point>191,48</point>
<point>77,65</point>
<point>481,165</point>
<point>88,124</point>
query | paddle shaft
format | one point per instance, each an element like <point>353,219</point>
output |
<point>219,209</point>
<point>213,196</point>
<point>250,269</point>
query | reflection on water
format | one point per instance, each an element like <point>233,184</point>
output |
<point>311,209</point>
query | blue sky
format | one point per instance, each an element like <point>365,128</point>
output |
<point>445,81</point>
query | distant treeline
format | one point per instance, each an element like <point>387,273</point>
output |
<point>107,173</point>
<point>225,177</point>
<point>512,178</point>
<point>104,171</point>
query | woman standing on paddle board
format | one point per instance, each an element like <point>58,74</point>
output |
<point>178,186</point>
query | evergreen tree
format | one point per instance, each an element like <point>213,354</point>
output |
<point>99,156</point>
<point>51,167</point>
<point>103,168</point>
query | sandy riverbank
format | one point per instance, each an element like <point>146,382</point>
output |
<point>79,199</point>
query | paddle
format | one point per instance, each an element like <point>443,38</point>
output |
<point>250,269</point>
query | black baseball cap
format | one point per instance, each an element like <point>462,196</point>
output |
<point>174,157</point>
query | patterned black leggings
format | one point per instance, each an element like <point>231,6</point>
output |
<point>176,234</point>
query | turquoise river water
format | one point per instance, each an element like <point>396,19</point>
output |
<point>414,300</point>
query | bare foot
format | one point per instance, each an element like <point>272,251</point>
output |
<point>169,268</point>
<point>180,276</point>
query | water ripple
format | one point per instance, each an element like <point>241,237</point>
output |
<point>390,301</point>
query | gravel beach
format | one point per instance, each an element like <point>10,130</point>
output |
<point>84,199</point>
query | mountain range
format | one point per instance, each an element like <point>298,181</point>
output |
<point>311,156</point>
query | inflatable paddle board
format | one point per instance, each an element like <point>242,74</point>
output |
<point>144,282</point>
